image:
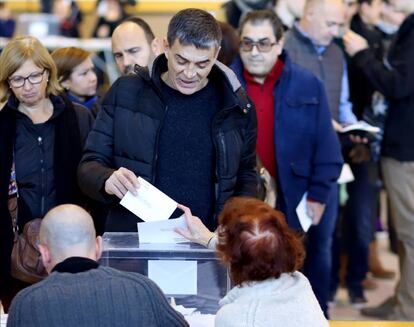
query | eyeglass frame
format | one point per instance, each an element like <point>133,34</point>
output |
<point>27,78</point>
<point>257,45</point>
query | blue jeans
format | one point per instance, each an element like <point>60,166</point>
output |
<point>318,244</point>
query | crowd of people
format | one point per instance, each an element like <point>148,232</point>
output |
<point>268,123</point>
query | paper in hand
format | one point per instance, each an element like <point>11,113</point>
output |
<point>302,212</point>
<point>150,204</point>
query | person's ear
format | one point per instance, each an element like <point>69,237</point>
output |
<point>98,247</point>
<point>65,84</point>
<point>217,52</point>
<point>166,47</point>
<point>157,47</point>
<point>280,44</point>
<point>46,257</point>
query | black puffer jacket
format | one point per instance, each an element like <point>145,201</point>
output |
<point>126,135</point>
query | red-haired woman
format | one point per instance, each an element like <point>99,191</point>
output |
<point>263,256</point>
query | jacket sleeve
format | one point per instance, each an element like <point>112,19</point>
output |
<point>247,178</point>
<point>394,82</point>
<point>97,164</point>
<point>327,159</point>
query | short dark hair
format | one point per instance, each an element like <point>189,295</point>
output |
<point>230,43</point>
<point>369,2</point>
<point>257,17</point>
<point>255,241</point>
<point>149,35</point>
<point>194,27</point>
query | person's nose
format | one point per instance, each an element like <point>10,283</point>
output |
<point>255,50</point>
<point>92,76</point>
<point>128,60</point>
<point>190,71</point>
<point>27,86</point>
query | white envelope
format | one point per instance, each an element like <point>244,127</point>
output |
<point>161,231</point>
<point>150,204</point>
<point>174,277</point>
<point>346,175</point>
<point>304,219</point>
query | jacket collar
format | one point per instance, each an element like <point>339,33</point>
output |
<point>233,94</point>
<point>75,265</point>
<point>237,67</point>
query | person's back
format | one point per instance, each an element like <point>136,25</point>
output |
<point>98,296</point>
<point>79,292</point>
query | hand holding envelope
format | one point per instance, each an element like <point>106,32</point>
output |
<point>120,182</point>
<point>195,230</point>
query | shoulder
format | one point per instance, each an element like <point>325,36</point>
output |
<point>303,81</point>
<point>126,90</point>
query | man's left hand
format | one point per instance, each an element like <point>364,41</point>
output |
<point>354,43</point>
<point>315,210</point>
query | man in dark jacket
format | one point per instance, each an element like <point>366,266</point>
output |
<point>296,141</point>
<point>187,127</point>
<point>80,292</point>
<point>395,79</point>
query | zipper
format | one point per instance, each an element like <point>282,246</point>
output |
<point>42,175</point>
<point>155,158</point>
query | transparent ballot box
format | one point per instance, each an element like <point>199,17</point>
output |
<point>188,272</point>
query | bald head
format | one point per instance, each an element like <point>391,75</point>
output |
<point>133,43</point>
<point>323,20</point>
<point>66,231</point>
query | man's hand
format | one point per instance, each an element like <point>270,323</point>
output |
<point>315,211</point>
<point>120,182</point>
<point>354,43</point>
<point>196,231</point>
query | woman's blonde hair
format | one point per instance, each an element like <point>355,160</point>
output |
<point>16,53</point>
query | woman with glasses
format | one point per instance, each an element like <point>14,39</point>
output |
<point>76,74</point>
<point>41,140</point>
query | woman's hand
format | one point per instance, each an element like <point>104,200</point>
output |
<point>196,231</point>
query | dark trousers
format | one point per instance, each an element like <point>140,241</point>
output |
<point>355,231</point>
<point>318,243</point>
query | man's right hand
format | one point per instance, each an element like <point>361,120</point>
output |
<point>120,182</point>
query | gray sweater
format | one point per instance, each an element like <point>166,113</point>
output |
<point>287,301</point>
<point>97,297</point>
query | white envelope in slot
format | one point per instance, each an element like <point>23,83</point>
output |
<point>161,231</point>
<point>174,277</point>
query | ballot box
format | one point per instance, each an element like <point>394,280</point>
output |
<point>188,272</point>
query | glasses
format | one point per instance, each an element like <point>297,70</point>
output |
<point>261,45</point>
<point>33,78</point>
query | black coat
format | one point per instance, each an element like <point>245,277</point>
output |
<point>70,125</point>
<point>126,135</point>
<point>395,79</point>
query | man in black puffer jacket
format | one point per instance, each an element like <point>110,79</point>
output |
<point>187,127</point>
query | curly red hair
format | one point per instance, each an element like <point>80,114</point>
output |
<point>255,241</point>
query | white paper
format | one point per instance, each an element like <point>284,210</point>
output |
<point>183,310</point>
<point>161,231</point>
<point>174,276</point>
<point>150,204</point>
<point>346,175</point>
<point>200,320</point>
<point>304,219</point>
<point>360,126</point>
<point>3,321</point>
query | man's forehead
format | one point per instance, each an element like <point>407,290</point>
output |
<point>192,53</point>
<point>257,30</point>
<point>129,33</point>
